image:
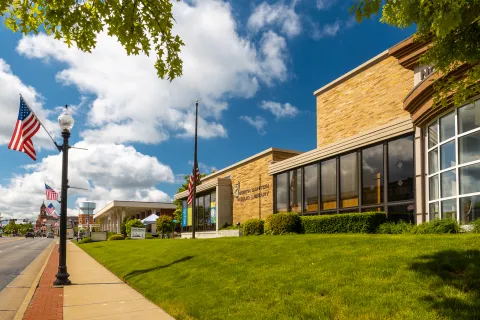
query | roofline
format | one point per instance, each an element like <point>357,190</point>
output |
<point>255,156</point>
<point>353,72</point>
<point>119,203</point>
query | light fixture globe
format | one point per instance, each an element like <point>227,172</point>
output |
<point>65,120</point>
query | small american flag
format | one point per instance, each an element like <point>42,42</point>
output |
<point>51,194</point>
<point>190,186</point>
<point>50,209</point>
<point>26,127</point>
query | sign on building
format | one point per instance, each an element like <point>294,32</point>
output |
<point>137,233</point>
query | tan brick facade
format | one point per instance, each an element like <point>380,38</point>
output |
<point>368,99</point>
<point>255,193</point>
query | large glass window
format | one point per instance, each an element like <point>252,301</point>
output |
<point>296,190</point>
<point>349,180</point>
<point>281,192</point>
<point>372,175</point>
<point>400,169</point>
<point>455,181</point>
<point>329,184</point>
<point>311,188</point>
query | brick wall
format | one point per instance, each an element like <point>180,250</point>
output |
<point>369,99</point>
<point>255,199</point>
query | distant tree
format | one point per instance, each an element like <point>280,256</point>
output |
<point>164,225</point>
<point>134,223</point>
<point>11,228</point>
<point>452,27</point>
<point>123,227</point>
<point>139,26</point>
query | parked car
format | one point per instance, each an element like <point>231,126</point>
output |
<point>29,235</point>
<point>50,235</point>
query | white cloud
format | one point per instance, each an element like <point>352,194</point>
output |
<point>325,4</point>
<point>105,170</point>
<point>277,14</point>
<point>278,110</point>
<point>258,123</point>
<point>273,50</point>
<point>131,104</point>
<point>11,86</point>
<point>332,29</point>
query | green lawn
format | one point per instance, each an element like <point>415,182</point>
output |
<point>303,276</point>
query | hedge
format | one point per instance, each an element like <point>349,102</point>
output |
<point>366,222</point>
<point>253,227</point>
<point>283,223</point>
<point>437,226</point>
<point>116,237</point>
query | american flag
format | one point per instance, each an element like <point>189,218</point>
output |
<point>190,186</point>
<point>26,127</point>
<point>50,209</point>
<point>51,194</point>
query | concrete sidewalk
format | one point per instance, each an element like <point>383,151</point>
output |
<point>96,293</point>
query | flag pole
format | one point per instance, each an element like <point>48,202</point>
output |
<point>56,145</point>
<point>194,174</point>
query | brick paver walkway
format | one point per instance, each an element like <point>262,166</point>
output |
<point>47,302</point>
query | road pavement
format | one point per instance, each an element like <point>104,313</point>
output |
<point>16,254</point>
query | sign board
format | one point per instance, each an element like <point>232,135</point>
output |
<point>137,233</point>
<point>99,236</point>
<point>69,233</point>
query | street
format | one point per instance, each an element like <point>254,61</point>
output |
<point>16,254</point>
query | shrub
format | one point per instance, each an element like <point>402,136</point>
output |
<point>123,226</point>
<point>134,223</point>
<point>283,223</point>
<point>109,234</point>
<point>148,236</point>
<point>85,240</point>
<point>164,225</point>
<point>395,228</point>
<point>366,222</point>
<point>476,226</point>
<point>253,227</point>
<point>226,226</point>
<point>116,237</point>
<point>437,226</point>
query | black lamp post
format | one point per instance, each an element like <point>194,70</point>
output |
<point>65,120</point>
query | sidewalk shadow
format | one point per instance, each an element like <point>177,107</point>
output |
<point>138,272</point>
<point>459,269</point>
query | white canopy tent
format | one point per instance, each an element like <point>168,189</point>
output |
<point>150,219</point>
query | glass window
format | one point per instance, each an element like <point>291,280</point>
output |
<point>402,212</point>
<point>433,187</point>
<point>469,209</point>
<point>469,179</point>
<point>329,184</point>
<point>201,213</point>
<point>449,209</point>
<point>469,117</point>
<point>447,126</point>
<point>447,155</point>
<point>213,207</point>
<point>374,209</point>
<point>372,175</point>
<point>449,184</point>
<point>349,180</point>
<point>281,192</point>
<point>432,135</point>
<point>400,169</point>
<point>311,188</point>
<point>296,190</point>
<point>433,161</point>
<point>206,216</point>
<point>469,147</point>
<point>434,211</point>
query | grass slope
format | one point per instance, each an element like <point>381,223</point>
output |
<point>303,276</point>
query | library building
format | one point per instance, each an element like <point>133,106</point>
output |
<point>382,145</point>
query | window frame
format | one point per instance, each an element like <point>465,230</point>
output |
<point>457,136</point>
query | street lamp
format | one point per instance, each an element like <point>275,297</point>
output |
<point>65,120</point>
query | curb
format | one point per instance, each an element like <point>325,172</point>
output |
<point>23,307</point>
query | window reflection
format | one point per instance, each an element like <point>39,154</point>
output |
<point>296,190</point>
<point>349,180</point>
<point>433,187</point>
<point>449,184</point>
<point>281,192</point>
<point>447,155</point>
<point>447,126</point>
<point>372,175</point>
<point>469,117</point>
<point>434,211</point>
<point>469,147</point>
<point>400,169</point>
<point>311,188</point>
<point>433,161</point>
<point>449,209</point>
<point>401,212</point>
<point>329,184</point>
<point>469,179</point>
<point>432,135</point>
<point>469,209</point>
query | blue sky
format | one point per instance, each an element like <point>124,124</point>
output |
<point>253,67</point>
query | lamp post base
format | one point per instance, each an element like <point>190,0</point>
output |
<point>62,277</point>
